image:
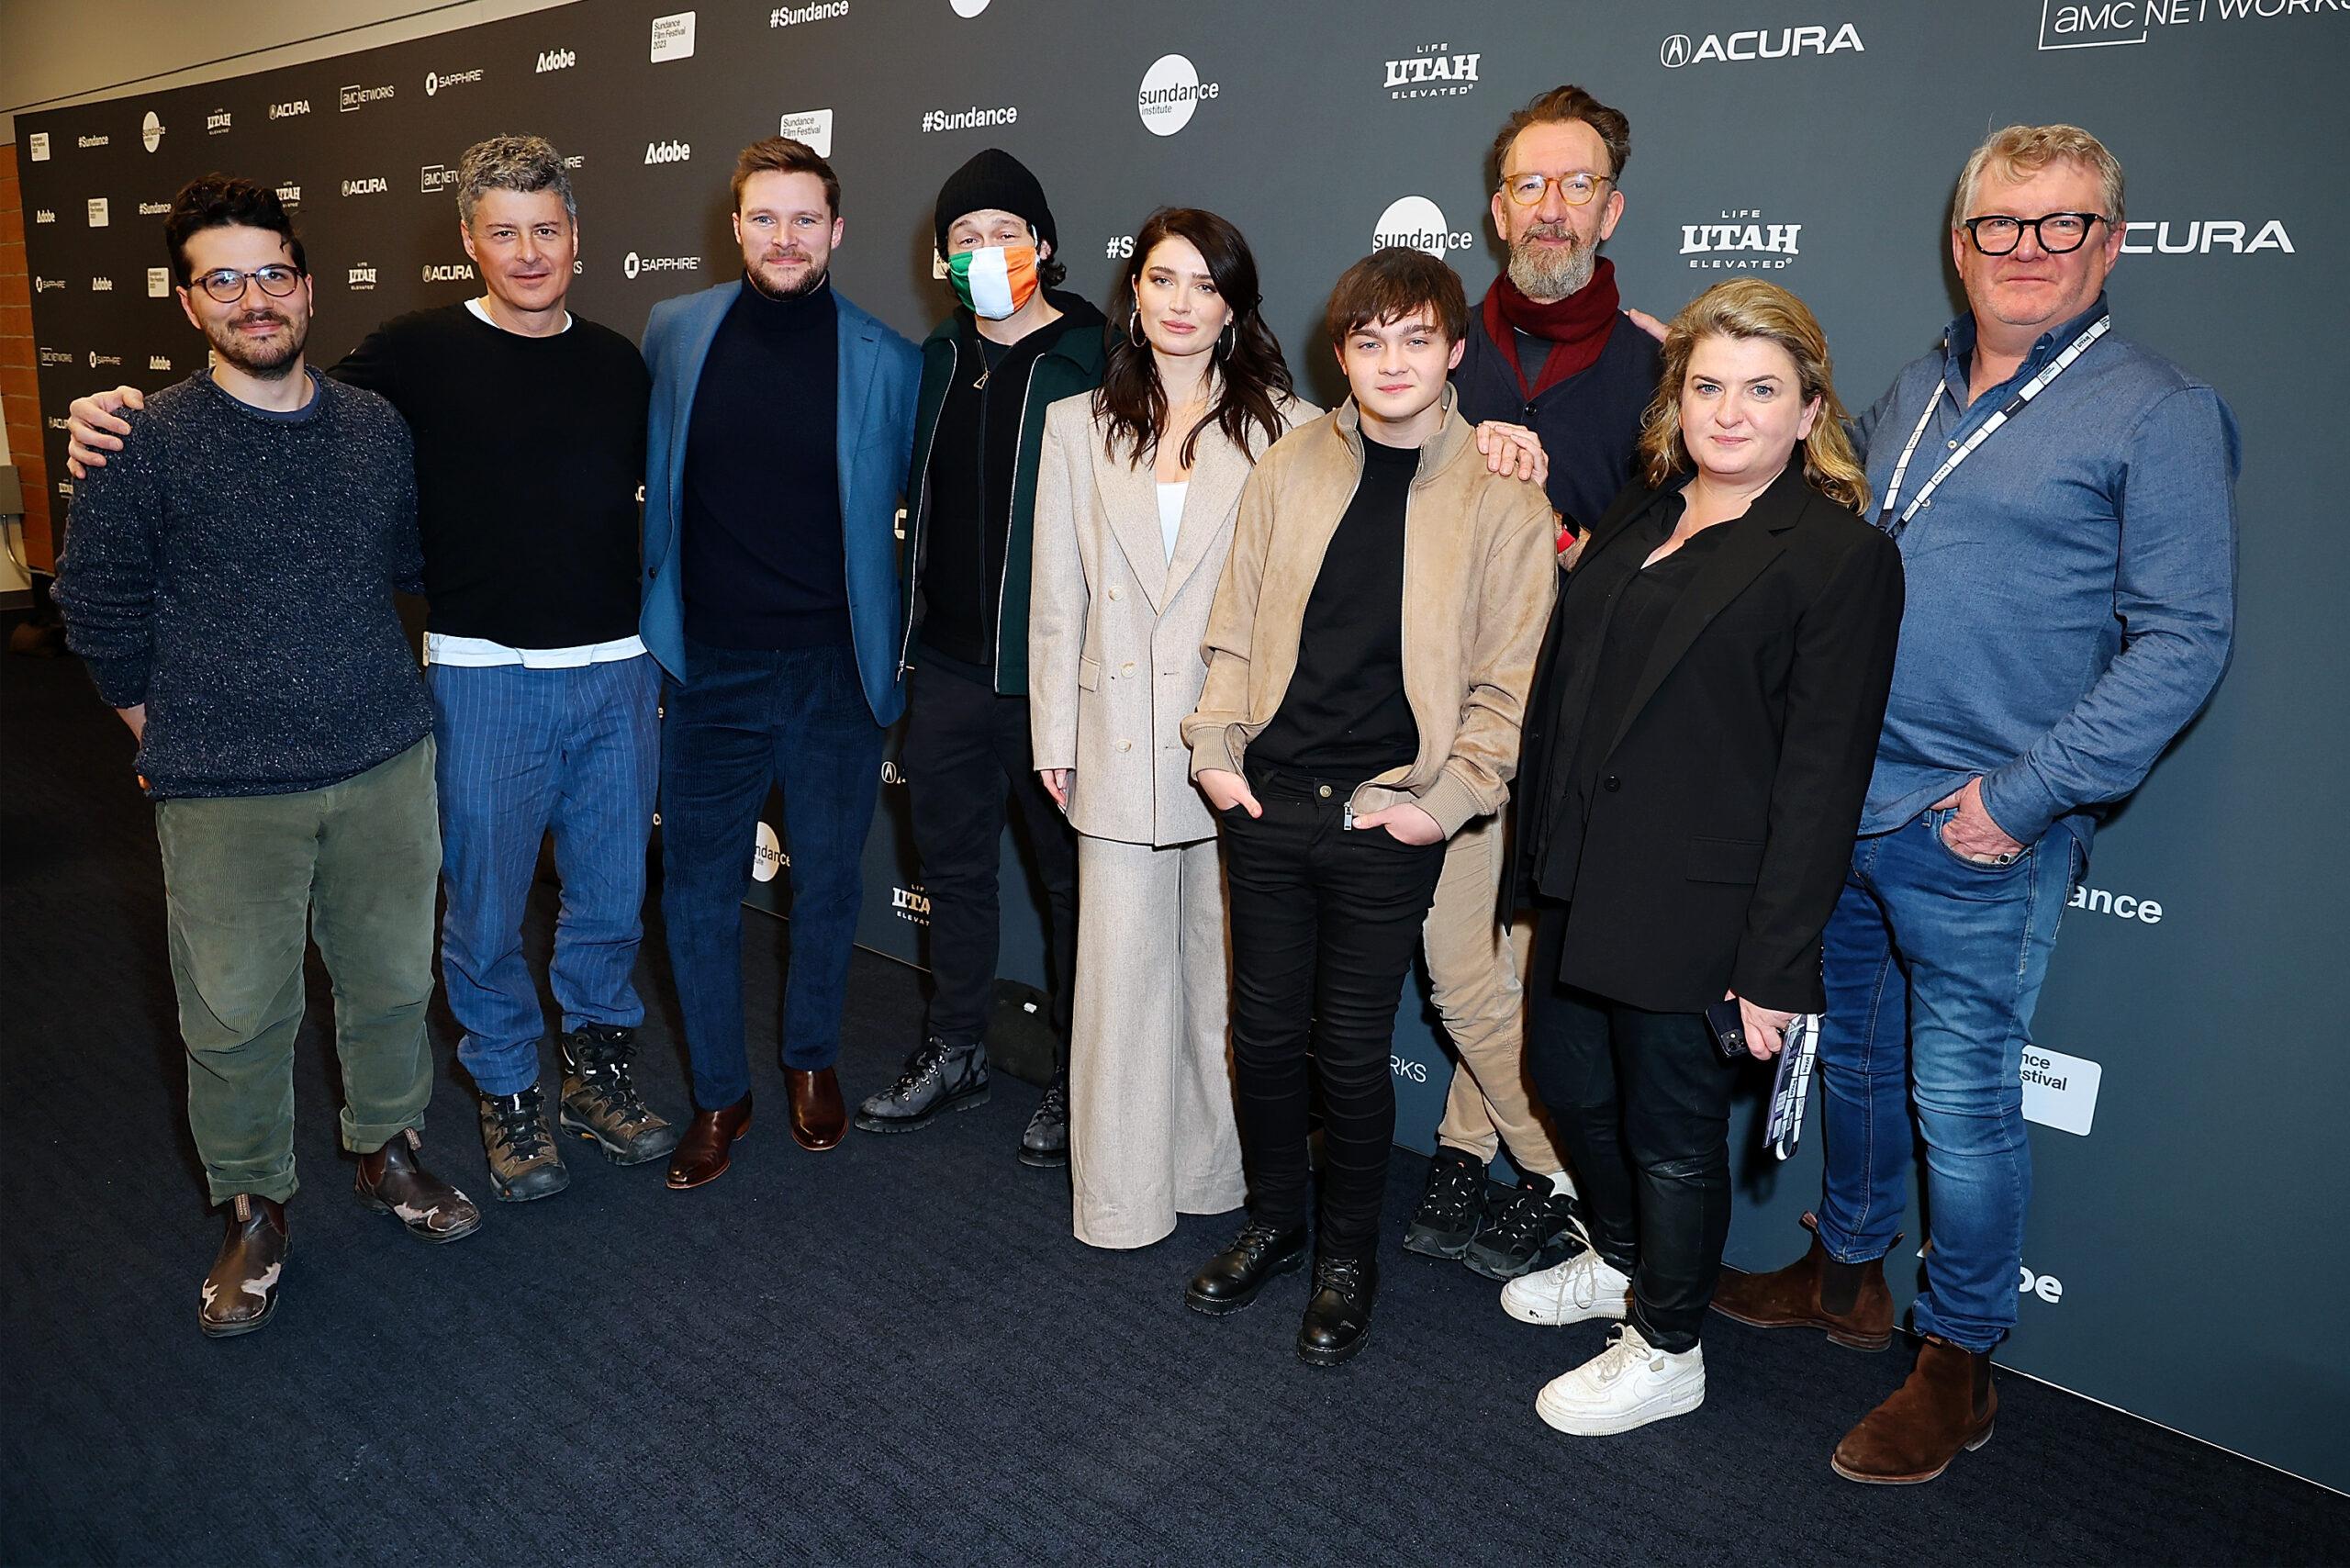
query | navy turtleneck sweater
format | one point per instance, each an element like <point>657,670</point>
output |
<point>762,553</point>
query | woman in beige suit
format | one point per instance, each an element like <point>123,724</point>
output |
<point>1135,495</point>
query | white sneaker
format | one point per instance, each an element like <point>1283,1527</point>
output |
<point>1586,1286</point>
<point>1626,1385</point>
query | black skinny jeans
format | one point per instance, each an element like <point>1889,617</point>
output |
<point>1641,1103</point>
<point>966,749</point>
<point>1325,922</point>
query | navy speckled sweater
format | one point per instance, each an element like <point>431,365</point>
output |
<point>234,572</point>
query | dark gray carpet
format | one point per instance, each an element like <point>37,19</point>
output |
<point>890,1353</point>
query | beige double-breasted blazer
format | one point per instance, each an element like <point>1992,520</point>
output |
<point>1114,626</point>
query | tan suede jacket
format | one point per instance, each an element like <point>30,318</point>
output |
<point>1478,581</point>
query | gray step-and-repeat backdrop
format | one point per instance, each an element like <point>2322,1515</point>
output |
<point>2186,1253</point>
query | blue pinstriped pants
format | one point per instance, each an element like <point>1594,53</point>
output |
<point>525,752</point>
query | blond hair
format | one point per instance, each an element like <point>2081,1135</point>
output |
<point>2022,151</point>
<point>1750,307</point>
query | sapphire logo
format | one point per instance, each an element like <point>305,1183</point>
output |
<point>555,60</point>
<point>357,97</point>
<point>150,132</point>
<point>673,37</point>
<point>217,122</point>
<point>813,127</point>
<point>43,285</point>
<point>435,81</point>
<point>97,359</point>
<point>633,264</point>
<point>438,177</point>
<point>37,147</point>
<point>376,186</point>
<point>98,212</point>
<point>821,11</point>
<point>289,196</point>
<point>1758,44</point>
<point>159,286</point>
<point>2201,236</point>
<point>456,273</point>
<point>1432,72</point>
<point>1419,223</point>
<point>1170,94</point>
<point>289,108</point>
<point>157,361</point>
<point>362,276</point>
<point>1741,242</point>
<point>667,153</point>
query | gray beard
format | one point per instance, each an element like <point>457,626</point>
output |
<point>1543,276</point>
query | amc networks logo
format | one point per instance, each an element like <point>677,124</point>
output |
<point>1408,1070</point>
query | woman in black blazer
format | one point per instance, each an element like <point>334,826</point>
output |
<point>1696,748</point>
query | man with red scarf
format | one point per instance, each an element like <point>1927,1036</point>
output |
<point>1551,349</point>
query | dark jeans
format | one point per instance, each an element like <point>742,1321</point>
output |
<point>966,749</point>
<point>744,721</point>
<point>1325,922</point>
<point>1641,1103</point>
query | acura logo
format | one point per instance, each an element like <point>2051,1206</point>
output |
<point>1675,52</point>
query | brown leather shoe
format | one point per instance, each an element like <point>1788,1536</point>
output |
<point>708,1147</point>
<point>240,1293</point>
<point>819,1120</point>
<point>392,1181</point>
<point>1789,1298</point>
<point>1947,1404</point>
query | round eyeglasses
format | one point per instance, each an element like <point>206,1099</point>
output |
<point>226,284</point>
<point>1575,189</point>
<point>2058,233</point>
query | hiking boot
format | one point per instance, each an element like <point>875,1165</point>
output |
<point>1451,1206</point>
<point>937,1079</point>
<point>1948,1404</point>
<point>1044,1144</point>
<point>1850,1300</point>
<point>600,1101</point>
<point>523,1162</point>
<point>240,1293</point>
<point>1533,1221</point>
<point>392,1180</point>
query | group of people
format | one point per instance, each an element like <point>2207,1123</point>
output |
<point>1607,661</point>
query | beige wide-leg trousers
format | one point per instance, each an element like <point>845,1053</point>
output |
<point>1151,1132</point>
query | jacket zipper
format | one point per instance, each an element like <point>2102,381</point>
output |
<point>1020,431</point>
<point>921,517</point>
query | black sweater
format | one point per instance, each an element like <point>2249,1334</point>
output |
<point>1587,422</point>
<point>764,564</point>
<point>530,452</point>
<point>234,573</point>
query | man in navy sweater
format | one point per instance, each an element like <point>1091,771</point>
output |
<point>528,428</point>
<point>1550,350</point>
<point>229,582</point>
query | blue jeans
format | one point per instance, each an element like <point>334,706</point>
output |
<point>744,721</point>
<point>525,752</point>
<point>1933,969</point>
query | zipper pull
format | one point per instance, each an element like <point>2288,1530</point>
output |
<point>981,383</point>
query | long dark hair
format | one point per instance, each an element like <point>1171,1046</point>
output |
<point>1248,378</point>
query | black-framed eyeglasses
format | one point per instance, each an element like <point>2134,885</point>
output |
<point>2058,233</point>
<point>226,284</point>
<point>1575,189</point>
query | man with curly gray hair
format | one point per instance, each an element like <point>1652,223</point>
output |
<point>545,702</point>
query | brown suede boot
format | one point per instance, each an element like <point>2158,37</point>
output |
<point>240,1293</point>
<point>1947,1404</point>
<point>1789,1298</point>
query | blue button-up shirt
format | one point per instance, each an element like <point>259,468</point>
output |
<point>2071,587</point>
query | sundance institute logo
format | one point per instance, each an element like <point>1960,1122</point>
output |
<point>1418,223</point>
<point>150,132</point>
<point>1171,93</point>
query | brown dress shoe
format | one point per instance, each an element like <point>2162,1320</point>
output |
<point>708,1147</point>
<point>392,1181</point>
<point>240,1293</point>
<point>1789,1298</point>
<point>819,1120</point>
<point>1947,1404</point>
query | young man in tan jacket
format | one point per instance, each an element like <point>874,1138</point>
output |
<point>1368,653</point>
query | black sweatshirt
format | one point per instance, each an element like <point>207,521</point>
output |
<point>762,555</point>
<point>530,452</point>
<point>234,571</point>
<point>1345,715</point>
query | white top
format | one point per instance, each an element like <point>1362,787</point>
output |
<point>482,312</point>
<point>1170,512</point>
<point>472,653</point>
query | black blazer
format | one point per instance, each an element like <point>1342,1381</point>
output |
<point>1719,835</point>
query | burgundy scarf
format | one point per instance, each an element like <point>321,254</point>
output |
<point>1578,325</point>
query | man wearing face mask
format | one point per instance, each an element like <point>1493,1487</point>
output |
<point>1014,345</point>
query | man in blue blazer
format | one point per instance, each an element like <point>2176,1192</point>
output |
<point>781,429</point>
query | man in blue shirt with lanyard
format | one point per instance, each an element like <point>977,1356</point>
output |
<point>2064,502</point>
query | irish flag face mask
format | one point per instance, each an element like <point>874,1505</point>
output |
<point>996,281</point>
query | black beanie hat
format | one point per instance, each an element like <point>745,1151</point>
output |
<point>995,179</point>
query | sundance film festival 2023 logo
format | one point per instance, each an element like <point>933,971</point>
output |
<point>812,127</point>
<point>1432,70</point>
<point>1741,241</point>
<point>1170,94</point>
<point>673,37</point>
<point>1759,43</point>
<point>2101,24</point>
<point>1418,223</point>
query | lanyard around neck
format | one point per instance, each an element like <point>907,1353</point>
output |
<point>2025,394</point>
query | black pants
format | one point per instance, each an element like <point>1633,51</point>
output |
<point>966,749</point>
<point>1325,922</point>
<point>1641,1103</point>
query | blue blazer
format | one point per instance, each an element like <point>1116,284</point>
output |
<point>880,374</point>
